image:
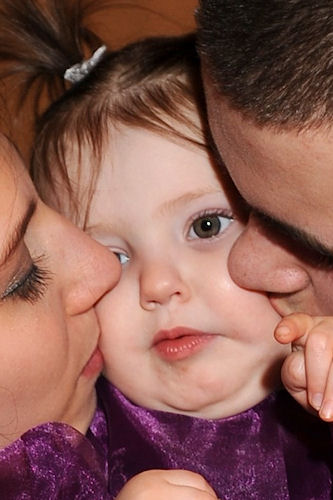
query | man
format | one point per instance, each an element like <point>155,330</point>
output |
<point>268,75</point>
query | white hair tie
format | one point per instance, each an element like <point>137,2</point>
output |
<point>78,71</point>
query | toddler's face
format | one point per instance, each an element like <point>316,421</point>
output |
<point>178,334</point>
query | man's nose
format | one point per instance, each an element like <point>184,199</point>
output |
<point>264,261</point>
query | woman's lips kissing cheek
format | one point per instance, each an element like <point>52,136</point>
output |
<point>94,364</point>
<point>180,342</point>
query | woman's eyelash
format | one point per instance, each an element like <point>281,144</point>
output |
<point>31,286</point>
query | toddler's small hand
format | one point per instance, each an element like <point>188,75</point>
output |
<point>307,372</point>
<point>166,485</point>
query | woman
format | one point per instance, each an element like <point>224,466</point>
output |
<point>51,276</point>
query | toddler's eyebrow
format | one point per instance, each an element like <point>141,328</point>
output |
<point>166,207</point>
<point>170,205</point>
<point>18,233</point>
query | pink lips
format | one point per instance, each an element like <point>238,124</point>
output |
<point>180,343</point>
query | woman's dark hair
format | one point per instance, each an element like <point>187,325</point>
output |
<point>153,83</point>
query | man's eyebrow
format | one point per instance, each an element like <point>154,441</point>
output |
<point>299,235</point>
<point>17,234</point>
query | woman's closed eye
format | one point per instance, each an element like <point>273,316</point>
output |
<point>30,285</point>
<point>209,225</point>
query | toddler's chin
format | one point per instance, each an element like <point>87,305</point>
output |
<point>213,408</point>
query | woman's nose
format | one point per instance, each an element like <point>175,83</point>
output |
<point>261,260</point>
<point>161,283</point>
<point>92,270</point>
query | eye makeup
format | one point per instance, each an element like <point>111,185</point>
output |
<point>30,285</point>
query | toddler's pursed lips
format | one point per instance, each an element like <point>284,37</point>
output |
<point>177,332</point>
<point>180,342</point>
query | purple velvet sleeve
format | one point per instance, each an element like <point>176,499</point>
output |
<point>52,461</point>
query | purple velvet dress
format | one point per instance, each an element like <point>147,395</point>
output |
<point>54,461</point>
<point>272,451</point>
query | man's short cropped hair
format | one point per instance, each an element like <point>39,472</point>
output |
<point>273,59</point>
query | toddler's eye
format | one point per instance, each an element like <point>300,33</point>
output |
<point>123,258</point>
<point>208,226</point>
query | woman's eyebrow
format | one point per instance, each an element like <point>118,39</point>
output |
<point>18,233</point>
